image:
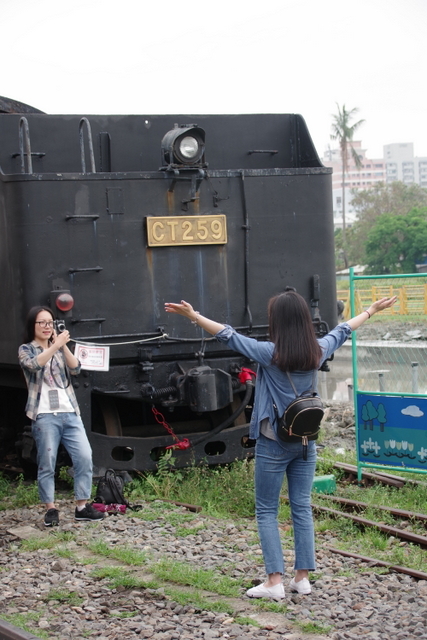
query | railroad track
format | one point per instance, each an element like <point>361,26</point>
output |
<point>347,505</point>
<point>350,472</point>
<point>9,632</point>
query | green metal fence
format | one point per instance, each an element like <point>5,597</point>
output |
<point>390,375</point>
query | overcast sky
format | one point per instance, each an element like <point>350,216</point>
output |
<point>224,56</point>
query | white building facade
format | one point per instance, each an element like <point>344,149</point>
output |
<point>401,164</point>
<point>398,163</point>
<point>370,172</point>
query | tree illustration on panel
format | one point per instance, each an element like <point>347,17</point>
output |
<point>365,416</point>
<point>382,416</point>
<point>369,413</point>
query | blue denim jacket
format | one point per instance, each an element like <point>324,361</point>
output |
<point>272,384</point>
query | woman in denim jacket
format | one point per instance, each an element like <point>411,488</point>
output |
<point>295,348</point>
<point>53,409</point>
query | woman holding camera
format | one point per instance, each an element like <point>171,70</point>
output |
<point>293,348</point>
<point>52,407</point>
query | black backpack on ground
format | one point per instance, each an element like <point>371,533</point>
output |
<point>110,490</point>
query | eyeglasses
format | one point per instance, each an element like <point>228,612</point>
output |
<point>45,323</point>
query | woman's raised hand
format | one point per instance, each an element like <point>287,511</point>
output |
<point>183,309</point>
<point>382,304</point>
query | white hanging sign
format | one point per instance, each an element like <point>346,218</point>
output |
<point>93,358</point>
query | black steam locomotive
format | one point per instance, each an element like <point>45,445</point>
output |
<point>105,218</point>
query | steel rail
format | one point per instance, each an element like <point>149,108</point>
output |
<point>9,632</point>
<point>420,575</point>
<point>394,531</point>
<point>365,505</point>
<point>379,476</point>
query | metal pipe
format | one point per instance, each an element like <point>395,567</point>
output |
<point>414,366</point>
<point>246,229</point>
<point>85,122</point>
<point>24,138</point>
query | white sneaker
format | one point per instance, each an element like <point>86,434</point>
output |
<point>302,586</point>
<point>261,591</point>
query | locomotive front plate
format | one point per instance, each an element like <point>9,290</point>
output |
<point>166,231</point>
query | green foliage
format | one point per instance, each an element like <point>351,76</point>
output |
<point>26,494</point>
<point>4,486</point>
<point>26,622</point>
<point>194,599</point>
<point>65,477</point>
<point>64,596</point>
<point>396,198</point>
<point>207,579</point>
<point>397,242</point>
<point>119,577</point>
<point>314,627</point>
<point>125,554</point>
<point>220,491</point>
<point>268,605</point>
<point>248,621</point>
<point>32,544</point>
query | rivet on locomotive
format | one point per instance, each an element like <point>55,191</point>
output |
<point>105,218</point>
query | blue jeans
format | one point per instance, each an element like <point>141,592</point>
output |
<point>272,461</point>
<point>49,431</point>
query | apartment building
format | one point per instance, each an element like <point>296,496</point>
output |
<point>371,171</point>
<point>398,163</point>
<point>401,164</point>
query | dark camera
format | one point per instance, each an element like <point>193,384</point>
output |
<point>59,326</point>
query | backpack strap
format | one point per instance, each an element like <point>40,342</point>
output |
<point>313,381</point>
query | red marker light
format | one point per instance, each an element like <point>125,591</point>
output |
<point>64,302</point>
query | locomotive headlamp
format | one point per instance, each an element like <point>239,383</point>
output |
<point>184,146</point>
<point>61,298</point>
<point>64,301</point>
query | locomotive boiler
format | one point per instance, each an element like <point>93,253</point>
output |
<point>104,218</point>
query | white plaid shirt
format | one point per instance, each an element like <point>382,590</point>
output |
<point>33,373</point>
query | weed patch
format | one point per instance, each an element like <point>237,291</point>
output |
<point>205,579</point>
<point>26,622</point>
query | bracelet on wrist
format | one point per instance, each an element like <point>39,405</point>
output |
<point>195,321</point>
<point>366,311</point>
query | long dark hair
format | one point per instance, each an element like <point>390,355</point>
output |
<point>30,324</point>
<point>292,332</point>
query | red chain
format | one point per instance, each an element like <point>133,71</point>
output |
<point>180,444</point>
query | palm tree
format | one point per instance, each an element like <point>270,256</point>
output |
<point>343,131</point>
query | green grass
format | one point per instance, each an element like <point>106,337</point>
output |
<point>188,531</point>
<point>313,627</point>
<point>274,607</point>
<point>370,542</point>
<point>33,544</point>
<point>193,598</point>
<point>125,554</point>
<point>220,491</point>
<point>26,494</point>
<point>248,621</point>
<point>62,595</point>
<point>206,579</point>
<point>119,577</point>
<point>26,622</point>
<point>4,486</point>
<point>227,493</point>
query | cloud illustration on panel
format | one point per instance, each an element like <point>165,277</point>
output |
<point>412,410</point>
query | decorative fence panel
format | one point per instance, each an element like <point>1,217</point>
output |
<point>390,374</point>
